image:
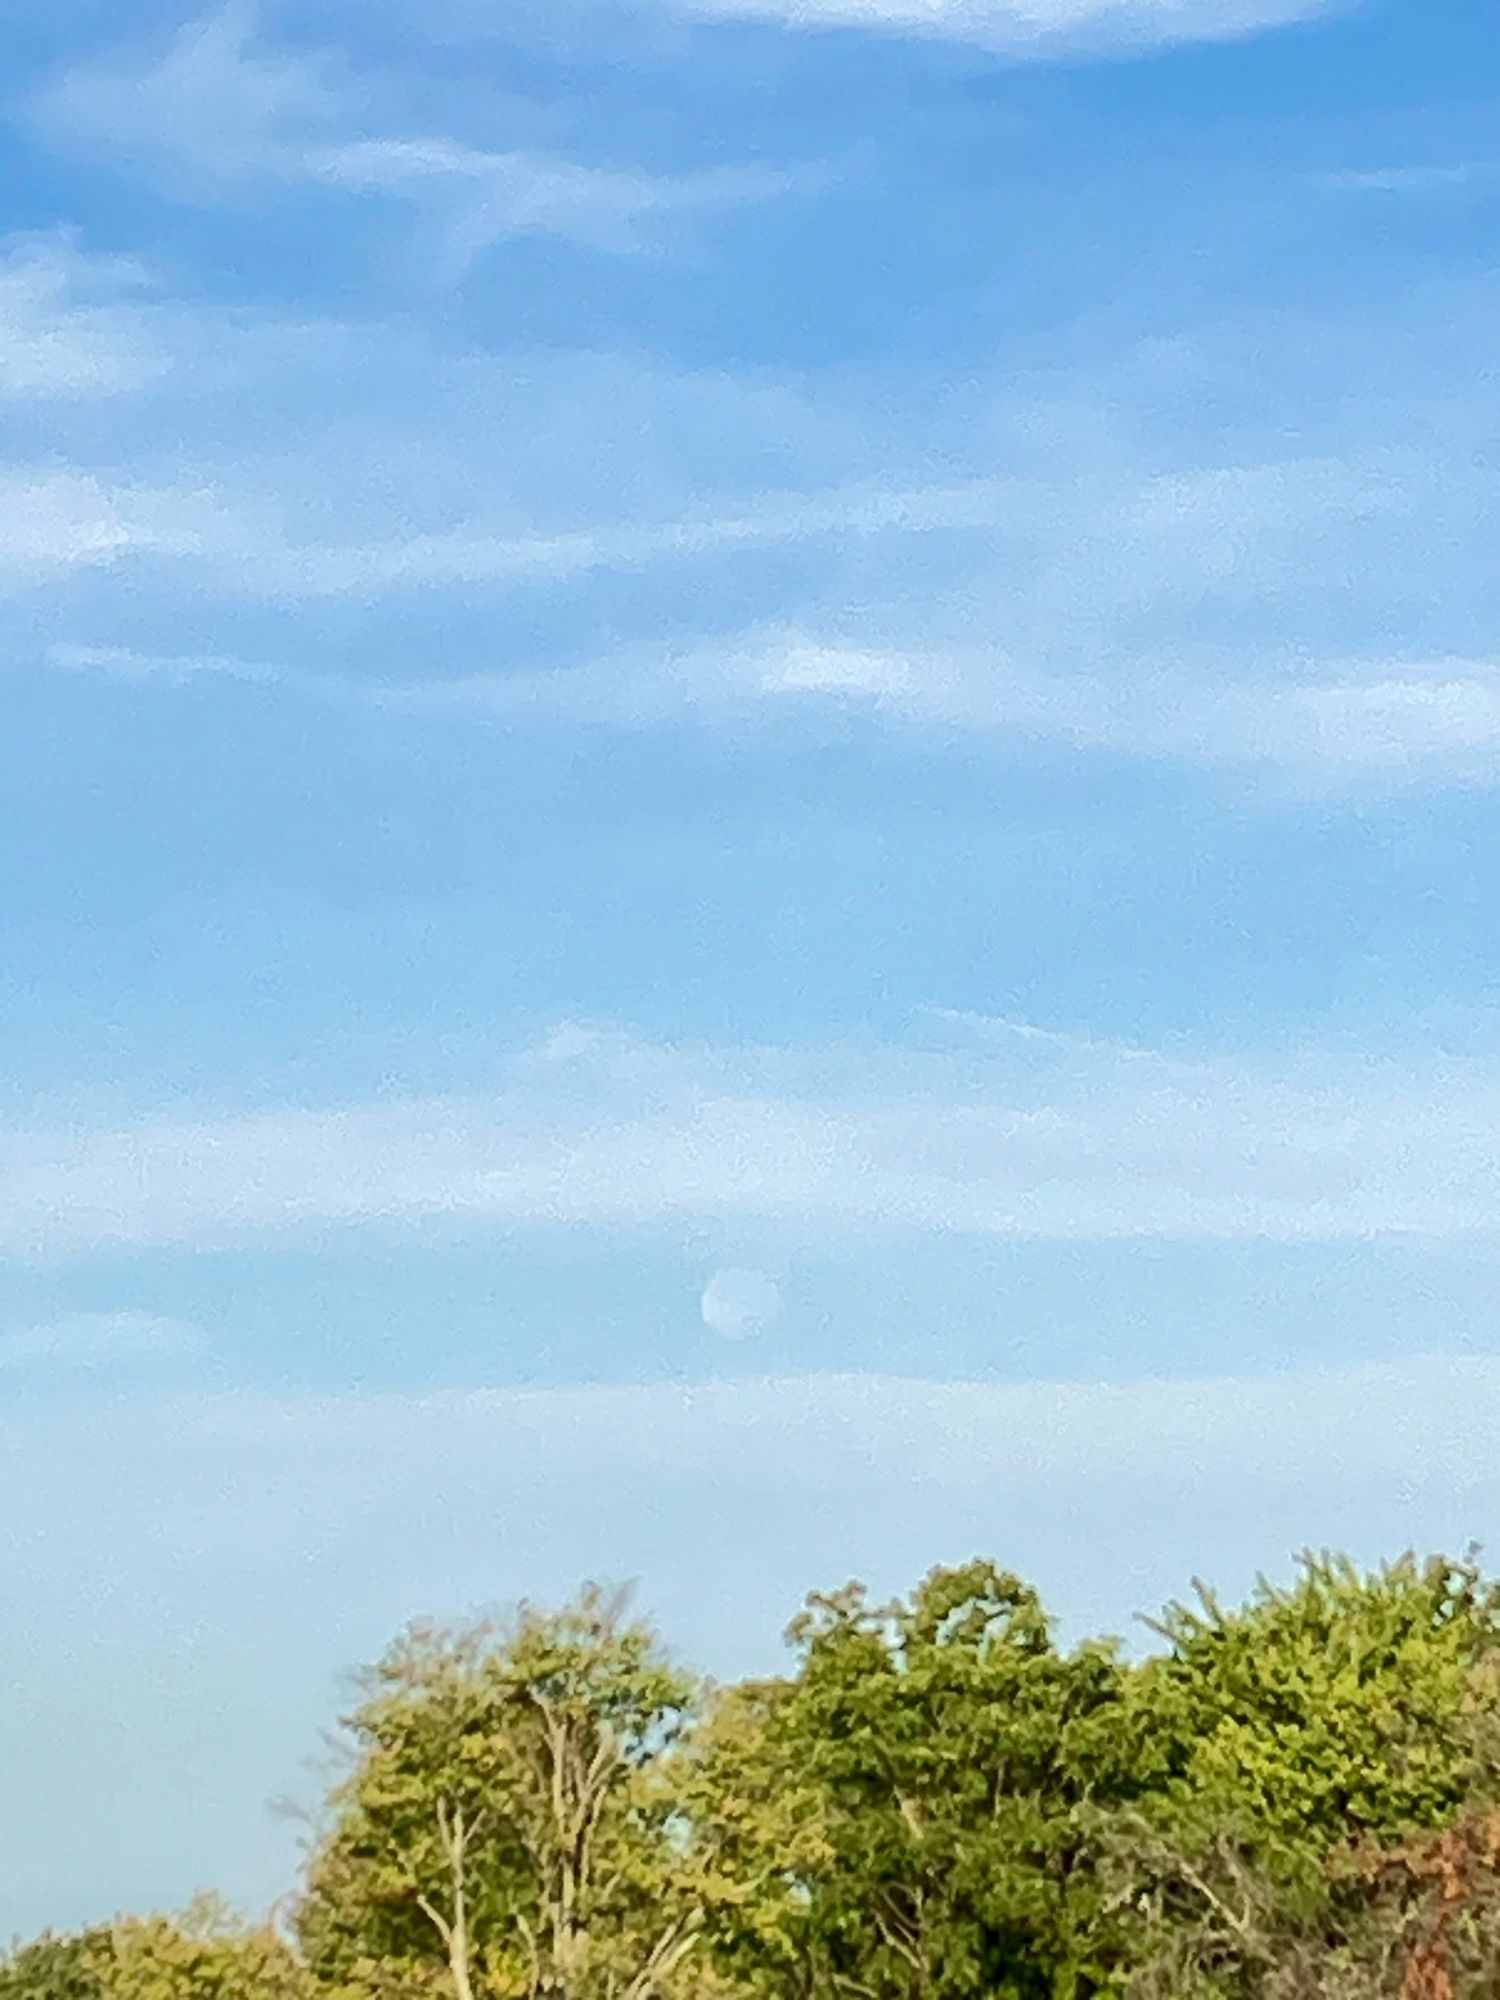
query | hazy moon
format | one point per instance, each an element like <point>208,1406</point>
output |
<point>739,1303</point>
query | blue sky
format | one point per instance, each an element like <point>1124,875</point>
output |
<point>751,794</point>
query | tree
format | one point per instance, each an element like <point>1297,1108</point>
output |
<point>954,1747</point>
<point>756,1824</point>
<point>1340,1716</point>
<point>206,1953</point>
<point>55,1967</point>
<point>1431,1930</point>
<point>1298,1799</point>
<point>507,1825</point>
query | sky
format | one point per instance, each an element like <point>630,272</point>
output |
<point>751,809</point>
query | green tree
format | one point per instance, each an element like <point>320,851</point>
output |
<point>55,1967</point>
<point>509,1826</point>
<point>1348,1712</point>
<point>206,1953</point>
<point>954,1748</point>
<point>1297,1799</point>
<point>755,1818</point>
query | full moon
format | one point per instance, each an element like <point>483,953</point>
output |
<point>737,1304</point>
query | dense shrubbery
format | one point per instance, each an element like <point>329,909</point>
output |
<point>1298,1797</point>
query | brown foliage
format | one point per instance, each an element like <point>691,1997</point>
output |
<point>1449,1883</point>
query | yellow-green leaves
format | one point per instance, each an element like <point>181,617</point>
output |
<point>505,1829</point>
<point>1292,1800</point>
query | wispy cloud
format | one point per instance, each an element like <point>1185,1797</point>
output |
<point>481,198</point>
<point>375,1458</point>
<point>1026,27</point>
<point>1310,726</point>
<point>53,522</point>
<point>1007,1137</point>
<point>249,555</point>
<point>69,325</point>
<point>1101,581</point>
<point>1313,725</point>
<point>217,109</point>
<point>473,556</point>
<point>1304,728</point>
<point>1116,596</point>
<point>1412,179</point>
<point>96,1340</point>
<point>210,109</point>
<point>130,664</point>
<point>1143,537</point>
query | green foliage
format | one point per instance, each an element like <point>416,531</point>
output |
<point>1347,1710</point>
<point>1296,1799</point>
<point>506,1826</point>
<point>756,1820</point>
<point>954,1747</point>
<point>205,1954</point>
<point>1344,1703</point>
<point>52,1967</point>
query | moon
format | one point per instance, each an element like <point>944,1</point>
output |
<point>737,1304</point>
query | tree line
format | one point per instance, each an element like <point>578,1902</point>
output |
<point>1297,1796</point>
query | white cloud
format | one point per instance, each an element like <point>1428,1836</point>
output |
<point>1014,585</point>
<point>1311,726</point>
<point>1271,1427</point>
<point>68,327</point>
<point>1083,551</point>
<point>1316,724</point>
<point>482,198</point>
<point>128,663</point>
<point>95,1340</point>
<point>980,1132</point>
<point>210,109</point>
<point>475,556</point>
<point>248,555</point>
<point>1067,568</point>
<point>1074,579</point>
<point>1025,27</point>
<point>218,108</point>
<point>365,1458</point>
<point>57,521</point>
<point>1402,719</point>
<point>1411,179</point>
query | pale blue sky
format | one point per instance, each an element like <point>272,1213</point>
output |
<point>752,812</point>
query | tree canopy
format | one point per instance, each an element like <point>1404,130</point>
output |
<point>937,1800</point>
